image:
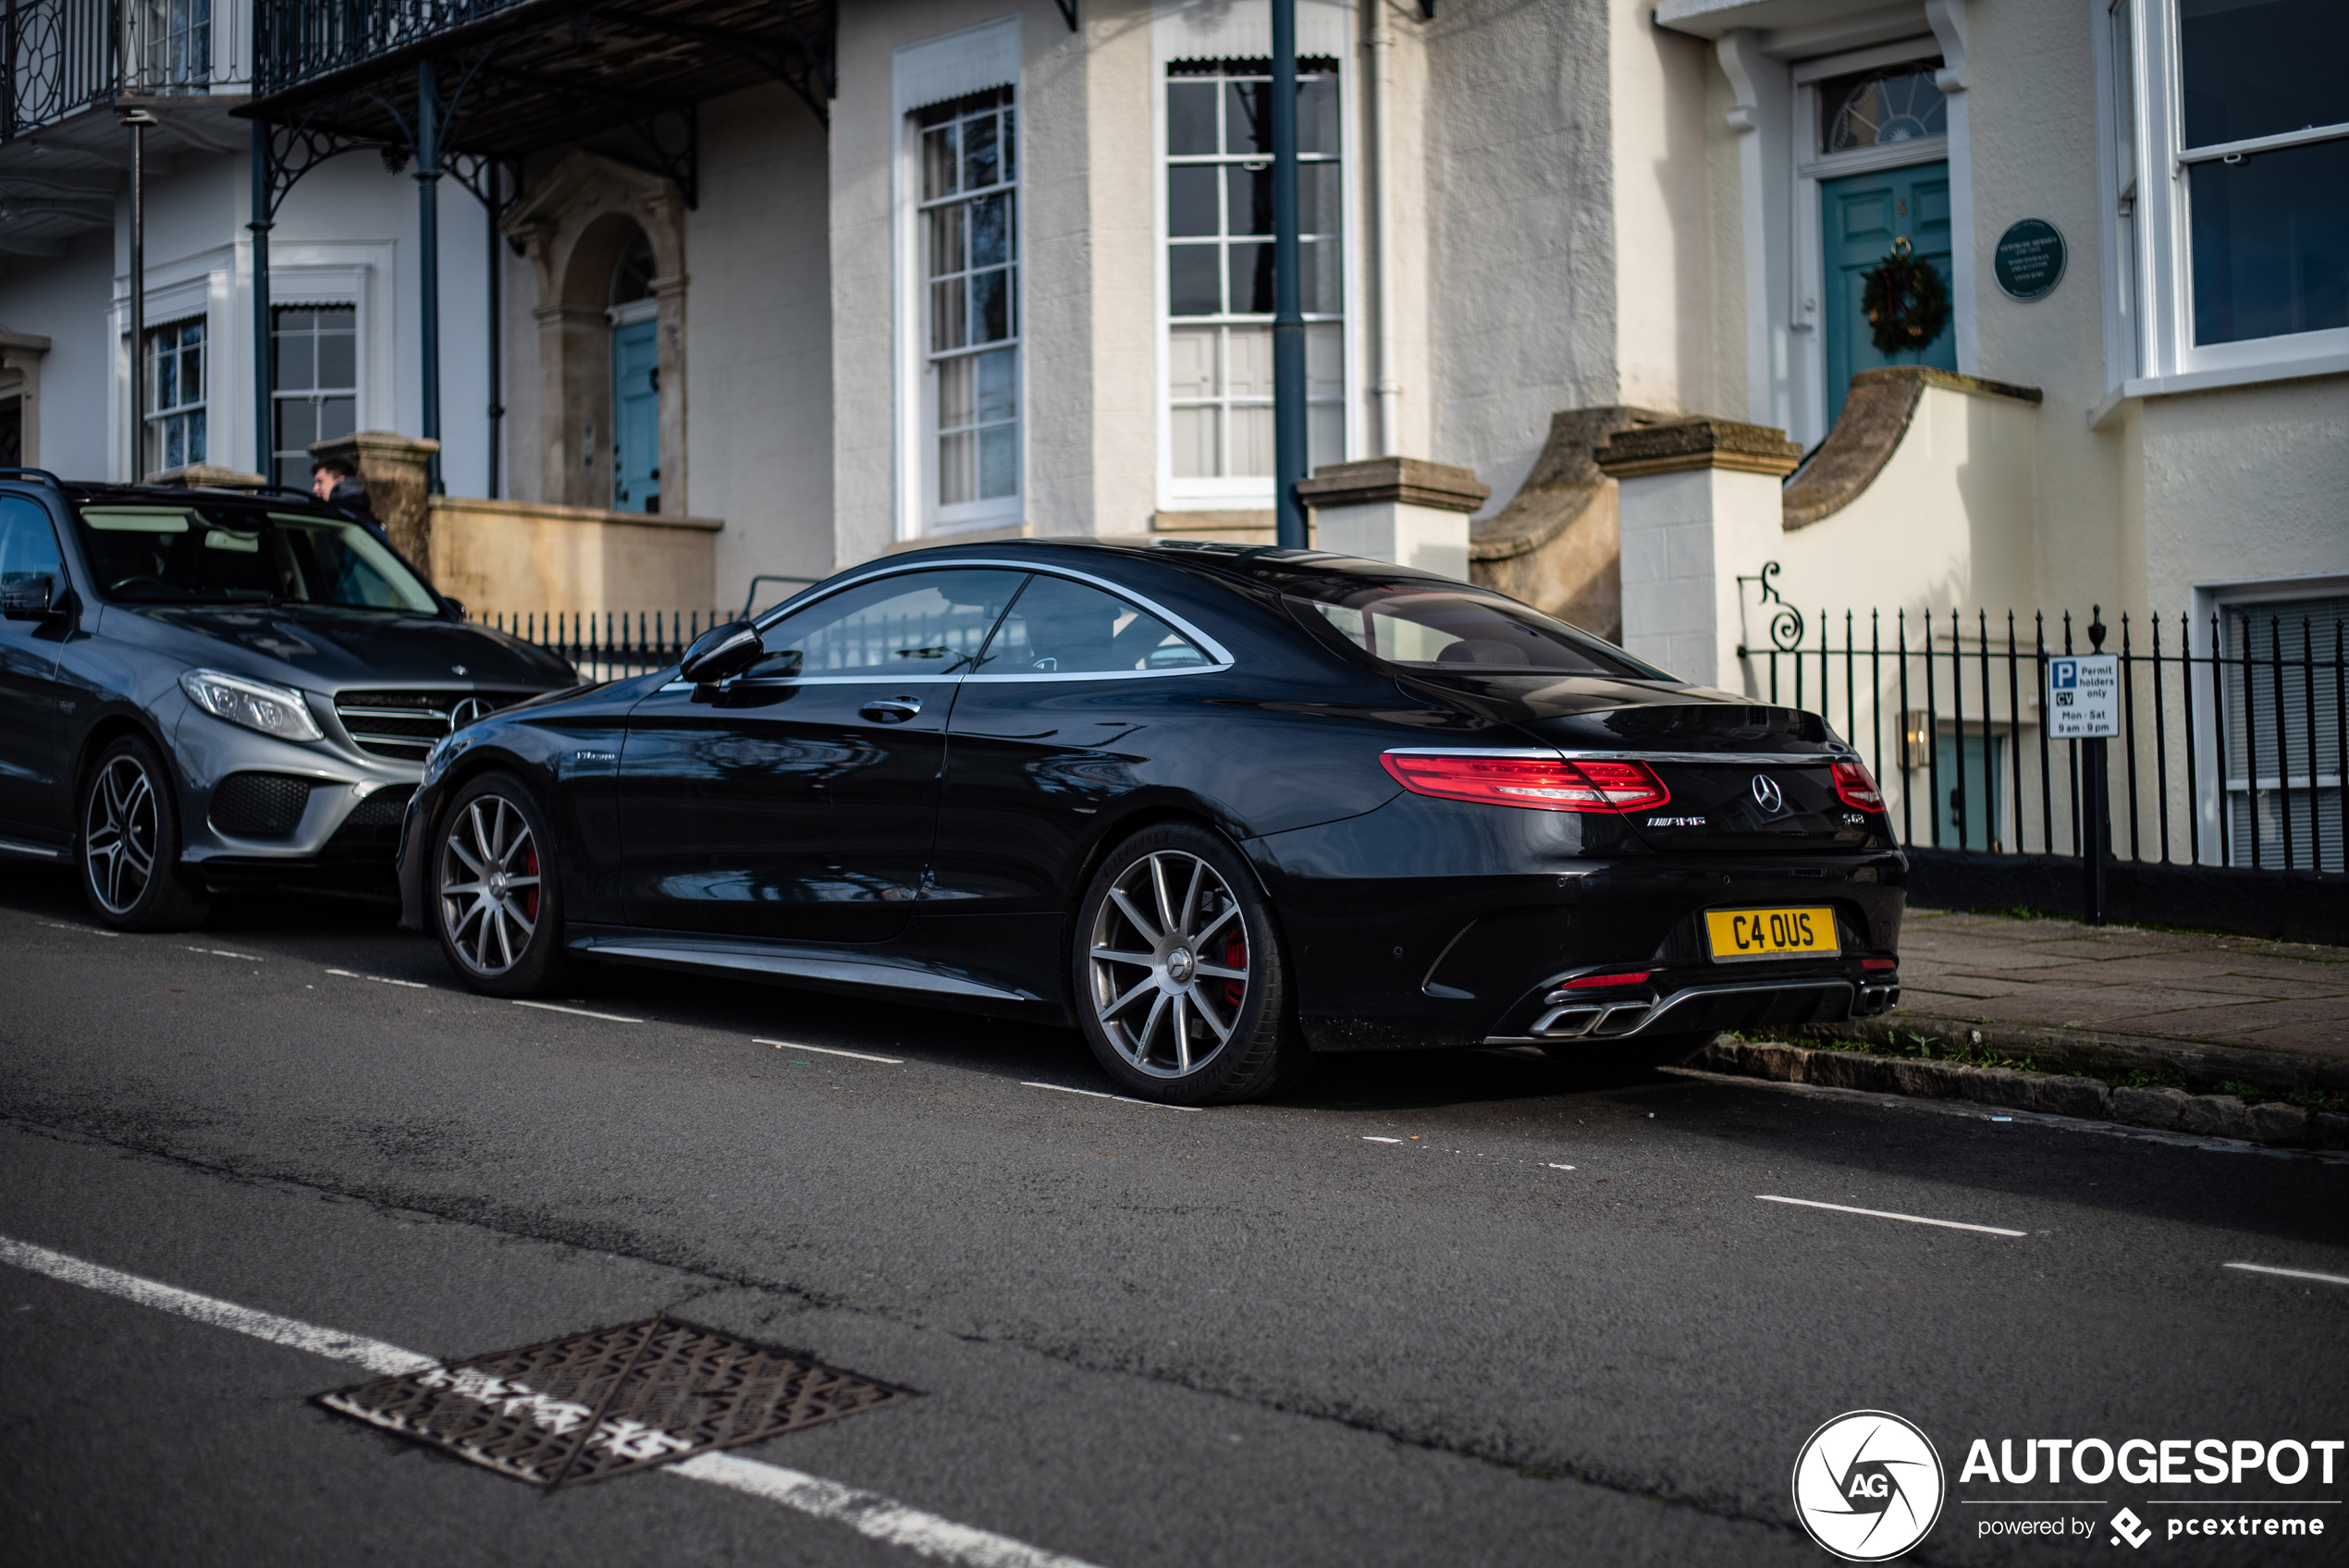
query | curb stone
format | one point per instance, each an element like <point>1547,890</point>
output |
<point>2274,1122</point>
<point>2089,1054</point>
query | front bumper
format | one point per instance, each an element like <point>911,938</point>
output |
<point>348,826</point>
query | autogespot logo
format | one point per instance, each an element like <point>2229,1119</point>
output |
<point>1868,1485</point>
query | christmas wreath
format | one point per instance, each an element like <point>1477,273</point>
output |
<point>1904,300</point>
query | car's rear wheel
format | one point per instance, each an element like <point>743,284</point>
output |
<point>496,900</point>
<point>130,842</point>
<point>1183,988</point>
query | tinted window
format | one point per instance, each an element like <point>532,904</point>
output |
<point>919,624</point>
<point>28,547</point>
<point>1057,627</point>
<point>204,555</point>
<point>1437,625</point>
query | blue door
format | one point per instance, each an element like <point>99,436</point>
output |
<point>1862,216</point>
<point>635,407</point>
<point>1966,791</point>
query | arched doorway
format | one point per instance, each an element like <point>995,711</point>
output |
<point>635,315</point>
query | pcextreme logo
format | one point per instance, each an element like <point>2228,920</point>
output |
<point>1868,1485</point>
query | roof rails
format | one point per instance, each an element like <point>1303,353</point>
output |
<point>41,473</point>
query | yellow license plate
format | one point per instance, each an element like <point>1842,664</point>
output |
<point>1804,932</point>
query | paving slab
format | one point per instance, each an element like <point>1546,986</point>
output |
<point>2125,981</point>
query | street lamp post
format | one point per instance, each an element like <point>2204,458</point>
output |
<point>138,119</point>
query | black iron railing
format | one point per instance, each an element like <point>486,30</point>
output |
<point>295,40</point>
<point>612,644</point>
<point>2233,743</point>
<point>58,57</point>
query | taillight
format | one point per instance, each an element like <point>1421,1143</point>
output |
<point>1856,787</point>
<point>1587,982</point>
<point>1541,783</point>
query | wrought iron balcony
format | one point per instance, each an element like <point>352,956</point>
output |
<point>528,74</point>
<point>58,57</point>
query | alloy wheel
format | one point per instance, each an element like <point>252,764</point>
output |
<point>119,834</point>
<point>1170,963</point>
<point>489,883</point>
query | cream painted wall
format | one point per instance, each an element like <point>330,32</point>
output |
<point>1521,307</point>
<point>64,298</point>
<point>758,361</point>
<point>1946,525</point>
<point>1117,489</point>
<point>2247,483</point>
<point>1659,86</point>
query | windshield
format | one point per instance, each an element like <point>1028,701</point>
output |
<point>1449,626</point>
<point>201,554</point>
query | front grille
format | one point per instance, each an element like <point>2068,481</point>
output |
<point>372,831</point>
<point>404,725</point>
<point>259,805</point>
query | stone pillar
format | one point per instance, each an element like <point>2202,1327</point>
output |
<point>1398,510</point>
<point>1700,504</point>
<point>196,474</point>
<point>393,468</point>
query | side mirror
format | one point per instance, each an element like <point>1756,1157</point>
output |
<point>29,598</point>
<point>456,607</point>
<point>722,652</point>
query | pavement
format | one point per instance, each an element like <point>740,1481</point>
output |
<point>2125,981</point>
<point>1471,1307</point>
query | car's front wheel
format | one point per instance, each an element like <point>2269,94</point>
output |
<point>497,902</point>
<point>1183,988</point>
<point>130,842</point>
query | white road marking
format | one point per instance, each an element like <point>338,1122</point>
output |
<point>1368,1139</point>
<point>868,1513</point>
<point>2291,1273</point>
<point>380,979</point>
<point>1096,1094</point>
<point>826,1050</point>
<point>389,1361</point>
<point>579,1011</point>
<point>1887,1213</point>
<point>1561,1168</point>
<point>223,952</point>
<point>85,930</point>
<point>871,1514</point>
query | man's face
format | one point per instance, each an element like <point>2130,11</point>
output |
<point>321,483</point>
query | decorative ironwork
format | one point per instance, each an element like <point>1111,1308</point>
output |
<point>58,57</point>
<point>1785,621</point>
<point>604,1403</point>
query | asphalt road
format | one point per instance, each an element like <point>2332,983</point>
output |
<point>1461,1307</point>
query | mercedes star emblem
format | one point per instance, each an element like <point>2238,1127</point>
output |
<point>1767,795</point>
<point>465,710</point>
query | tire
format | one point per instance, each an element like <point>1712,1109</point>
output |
<point>129,842</point>
<point>1164,1023</point>
<point>1634,1058</point>
<point>496,904</point>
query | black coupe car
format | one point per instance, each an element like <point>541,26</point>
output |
<point>1219,807</point>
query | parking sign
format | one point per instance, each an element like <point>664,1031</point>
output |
<point>2084,696</point>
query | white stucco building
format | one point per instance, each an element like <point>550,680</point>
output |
<point>846,277</point>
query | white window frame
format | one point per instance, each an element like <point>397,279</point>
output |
<point>2162,355</point>
<point>359,337</point>
<point>1187,30</point>
<point>935,70</point>
<point>155,420</point>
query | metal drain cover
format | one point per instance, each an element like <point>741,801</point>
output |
<point>603,1403</point>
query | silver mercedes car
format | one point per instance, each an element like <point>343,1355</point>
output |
<point>207,688</point>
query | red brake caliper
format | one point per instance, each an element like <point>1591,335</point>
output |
<point>530,894</point>
<point>1234,957</point>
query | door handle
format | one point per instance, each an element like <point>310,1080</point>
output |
<point>892,710</point>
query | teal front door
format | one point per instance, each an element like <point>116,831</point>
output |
<point>635,408</point>
<point>1862,216</point>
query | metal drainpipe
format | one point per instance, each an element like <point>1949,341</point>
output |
<point>492,174</point>
<point>1389,388</point>
<point>264,460</point>
<point>1290,461</point>
<point>428,259</point>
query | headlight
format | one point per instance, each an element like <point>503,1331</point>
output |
<point>256,705</point>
